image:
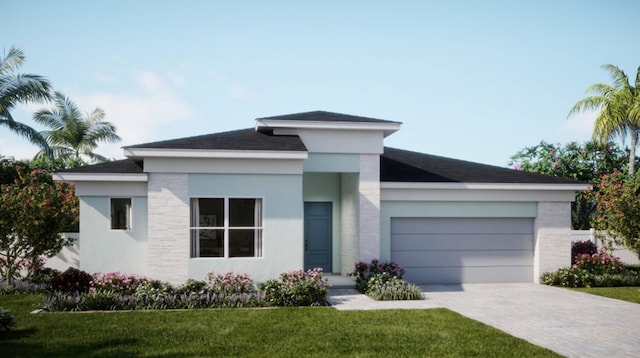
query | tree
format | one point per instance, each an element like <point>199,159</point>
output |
<point>618,205</point>
<point>20,88</point>
<point>619,110</point>
<point>73,134</point>
<point>34,210</point>
<point>586,162</point>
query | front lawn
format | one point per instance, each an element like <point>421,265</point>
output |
<point>631,294</point>
<point>294,332</point>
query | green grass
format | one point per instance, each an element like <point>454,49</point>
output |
<point>631,294</point>
<point>291,332</point>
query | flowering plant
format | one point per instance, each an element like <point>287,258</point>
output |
<point>363,272</point>
<point>117,282</point>
<point>297,288</point>
<point>230,283</point>
<point>599,263</point>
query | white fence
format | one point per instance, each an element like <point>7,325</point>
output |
<point>625,255</point>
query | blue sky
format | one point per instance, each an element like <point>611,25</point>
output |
<point>474,80</point>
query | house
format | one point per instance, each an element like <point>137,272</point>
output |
<point>316,189</point>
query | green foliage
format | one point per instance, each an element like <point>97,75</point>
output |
<point>618,108</point>
<point>630,294</point>
<point>7,320</point>
<point>18,88</point>
<point>385,287</point>
<point>296,288</point>
<point>363,271</point>
<point>618,205</point>
<point>70,281</point>
<point>568,277</point>
<point>73,134</point>
<point>34,210</point>
<point>283,332</point>
<point>584,162</point>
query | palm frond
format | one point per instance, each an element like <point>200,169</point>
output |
<point>619,78</point>
<point>25,131</point>
<point>12,60</point>
<point>23,88</point>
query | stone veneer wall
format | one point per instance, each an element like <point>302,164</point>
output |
<point>168,240</point>
<point>552,229</point>
<point>369,205</point>
<point>349,222</point>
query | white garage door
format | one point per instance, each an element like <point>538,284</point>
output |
<point>463,250</point>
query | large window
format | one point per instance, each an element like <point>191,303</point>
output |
<point>120,213</point>
<point>226,227</point>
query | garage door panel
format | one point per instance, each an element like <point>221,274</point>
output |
<point>463,250</point>
<point>475,258</point>
<point>450,275</point>
<point>455,241</point>
<point>461,225</point>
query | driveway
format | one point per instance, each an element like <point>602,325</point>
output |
<point>570,323</point>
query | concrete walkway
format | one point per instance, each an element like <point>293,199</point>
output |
<point>570,323</point>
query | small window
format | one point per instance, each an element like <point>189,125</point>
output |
<point>226,227</point>
<point>121,214</point>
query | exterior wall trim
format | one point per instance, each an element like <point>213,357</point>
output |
<point>202,153</point>
<point>105,177</point>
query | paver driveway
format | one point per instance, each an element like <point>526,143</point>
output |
<point>571,323</point>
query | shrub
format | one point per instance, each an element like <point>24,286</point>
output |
<point>599,263</point>
<point>568,277</point>
<point>7,320</point>
<point>154,289</point>
<point>582,247</point>
<point>71,280</point>
<point>194,286</point>
<point>625,278</point>
<point>19,286</point>
<point>296,288</point>
<point>230,283</point>
<point>385,287</point>
<point>117,282</point>
<point>101,300</point>
<point>364,271</point>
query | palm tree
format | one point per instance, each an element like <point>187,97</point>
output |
<point>619,110</point>
<point>73,134</point>
<point>20,88</point>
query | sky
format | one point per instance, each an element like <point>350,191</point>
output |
<point>473,80</point>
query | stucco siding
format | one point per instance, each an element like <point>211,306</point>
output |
<point>349,250</point>
<point>105,250</point>
<point>283,223</point>
<point>332,163</point>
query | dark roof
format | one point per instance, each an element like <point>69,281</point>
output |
<point>124,166</point>
<point>243,139</point>
<point>323,116</point>
<point>398,165</point>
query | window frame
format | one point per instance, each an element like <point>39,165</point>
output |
<point>194,242</point>
<point>129,212</point>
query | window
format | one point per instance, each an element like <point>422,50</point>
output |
<point>120,213</point>
<point>226,227</point>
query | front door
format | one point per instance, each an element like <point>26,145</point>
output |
<point>317,235</point>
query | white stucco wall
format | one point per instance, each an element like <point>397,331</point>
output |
<point>105,250</point>
<point>283,223</point>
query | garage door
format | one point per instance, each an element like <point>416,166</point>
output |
<point>463,250</point>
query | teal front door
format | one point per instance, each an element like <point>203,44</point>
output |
<point>318,231</point>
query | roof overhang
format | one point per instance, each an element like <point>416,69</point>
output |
<point>100,177</point>
<point>387,128</point>
<point>485,186</point>
<point>208,154</point>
